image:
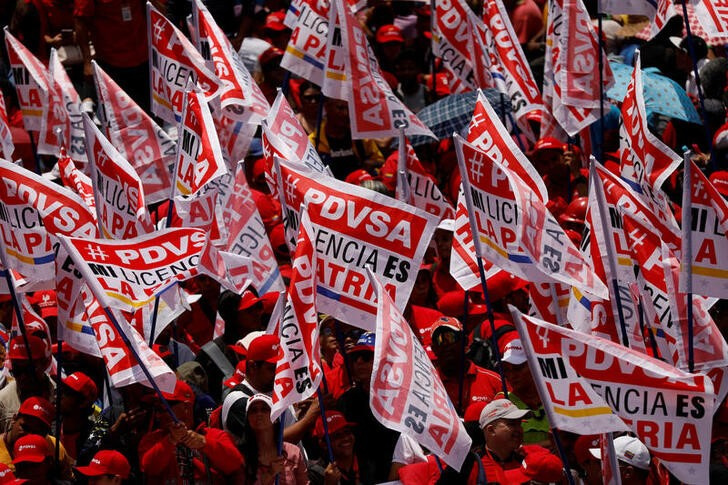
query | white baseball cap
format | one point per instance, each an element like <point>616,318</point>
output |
<point>629,450</point>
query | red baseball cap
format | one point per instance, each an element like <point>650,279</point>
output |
<point>247,300</point>
<point>540,466</point>
<point>182,393</point>
<point>265,348</point>
<point>6,474</point>
<point>582,446</point>
<point>452,304</point>
<point>446,322</point>
<point>237,377</point>
<point>38,407</point>
<point>106,462</point>
<point>83,384</point>
<point>335,421</point>
<point>389,33</point>
<point>548,143</point>
<point>358,176</point>
<point>271,54</point>
<point>274,21</point>
<point>720,180</point>
<point>31,448</point>
<point>38,348</point>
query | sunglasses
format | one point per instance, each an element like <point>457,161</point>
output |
<point>445,337</point>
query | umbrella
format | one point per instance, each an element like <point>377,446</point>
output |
<point>662,94</point>
<point>453,113</point>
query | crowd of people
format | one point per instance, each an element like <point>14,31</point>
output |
<point>62,422</point>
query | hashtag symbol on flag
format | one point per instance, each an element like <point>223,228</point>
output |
<point>291,189</point>
<point>158,29</point>
<point>96,252</point>
<point>476,167</point>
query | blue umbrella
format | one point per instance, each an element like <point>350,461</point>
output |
<point>453,113</point>
<point>662,94</point>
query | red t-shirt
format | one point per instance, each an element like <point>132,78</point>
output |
<point>527,20</point>
<point>118,30</point>
<point>480,385</point>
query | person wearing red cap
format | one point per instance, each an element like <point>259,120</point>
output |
<point>35,416</point>
<point>30,377</point>
<point>276,31</point>
<point>177,453</point>
<point>77,398</point>
<point>107,467</point>
<point>336,147</point>
<point>479,385</point>
<point>309,98</point>
<point>272,73</point>
<point>344,469</point>
<point>6,475</point>
<point>33,460</point>
<point>389,43</point>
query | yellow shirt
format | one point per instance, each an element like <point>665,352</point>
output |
<point>67,461</point>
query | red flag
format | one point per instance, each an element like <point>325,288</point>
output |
<point>374,111</point>
<point>118,192</point>
<point>137,137</point>
<point>646,160</point>
<point>199,158</point>
<point>174,62</point>
<point>713,16</point>
<point>406,394</point>
<point>423,189</point>
<point>74,138</point>
<point>31,82</point>
<point>78,181</point>
<point>131,273</point>
<point>32,211</point>
<point>298,372</point>
<point>669,410</point>
<point>356,228</point>
<point>240,96</point>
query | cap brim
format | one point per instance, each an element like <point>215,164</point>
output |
<point>596,453</point>
<point>249,303</point>
<point>360,348</point>
<point>91,471</point>
<point>517,475</point>
<point>516,414</point>
<point>30,459</point>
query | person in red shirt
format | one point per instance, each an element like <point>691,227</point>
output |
<point>526,18</point>
<point>479,385</point>
<point>176,453</point>
<point>500,421</point>
<point>107,467</point>
<point>118,30</point>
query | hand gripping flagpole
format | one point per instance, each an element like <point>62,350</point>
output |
<point>687,250</point>
<point>542,392</point>
<point>327,437</point>
<point>609,246</point>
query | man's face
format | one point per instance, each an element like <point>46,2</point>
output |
<point>105,480</point>
<point>24,425</point>
<point>447,347</point>
<point>249,319</point>
<point>261,375</point>
<point>361,365</point>
<point>342,443</point>
<point>505,435</point>
<point>34,473</point>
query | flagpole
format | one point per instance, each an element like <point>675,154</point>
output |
<point>612,457</point>
<point>701,98</point>
<point>687,243</point>
<point>542,393</point>
<point>282,424</point>
<point>609,246</point>
<point>463,343</point>
<point>327,437</point>
<point>14,297</point>
<point>59,415</point>
<point>491,319</point>
<point>402,192</point>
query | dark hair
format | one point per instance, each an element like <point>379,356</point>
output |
<point>249,449</point>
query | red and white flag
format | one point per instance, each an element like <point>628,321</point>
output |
<point>571,81</point>
<point>240,96</point>
<point>713,16</point>
<point>73,136</point>
<point>423,190</point>
<point>514,230</point>
<point>284,137</point>
<point>708,233</point>
<point>118,192</point>
<point>374,110</point>
<point>298,371</point>
<point>454,41</point>
<point>203,212</point>
<point>199,158</point>
<point>520,84</point>
<point>174,63</point>
<point>590,378</point>
<point>6,137</point>
<point>137,137</point>
<point>354,229</point>
<point>121,365</point>
<point>406,393</point>
<point>646,160</point>
<point>549,301</point>
<point>32,211</point>
<point>31,83</point>
<point>660,270</point>
<point>78,181</point>
<point>247,236</point>
<point>129,274</point>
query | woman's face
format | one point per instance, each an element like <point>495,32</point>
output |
<point>259,416</point>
